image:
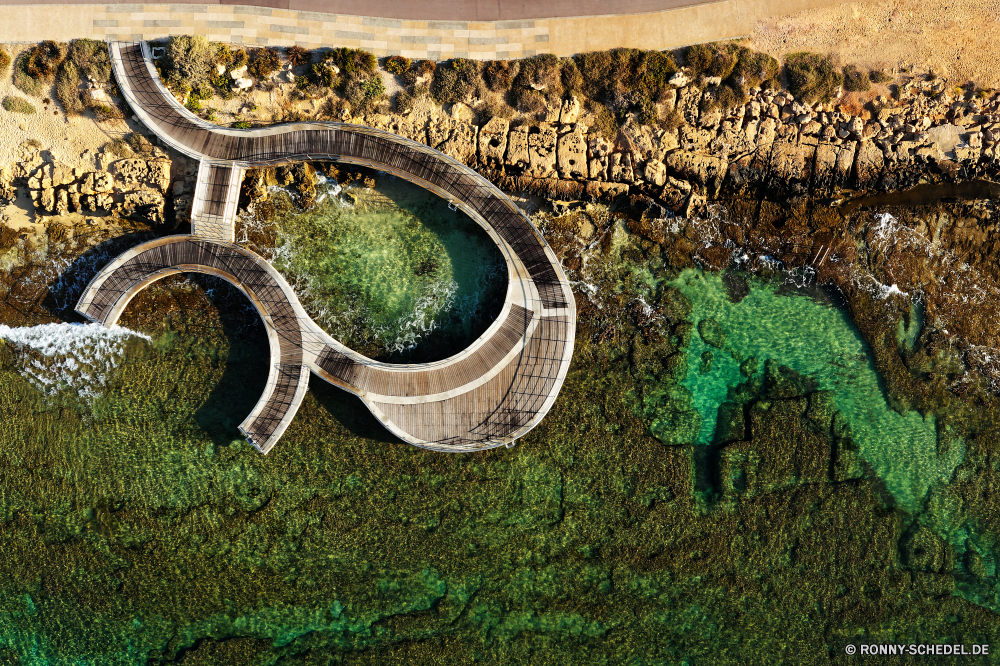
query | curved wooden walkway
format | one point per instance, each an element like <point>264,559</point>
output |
<point>489,394</point>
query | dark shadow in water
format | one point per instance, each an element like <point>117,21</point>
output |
<point>350,412</point>
<point>66,290</point>
<point>443,343</point>
<point>247,364</point>
<point>924,195</point>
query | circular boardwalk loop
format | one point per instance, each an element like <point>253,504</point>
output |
<point>489,394</point>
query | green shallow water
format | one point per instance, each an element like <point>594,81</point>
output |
<point>822,342</point>
<point>392,268</point>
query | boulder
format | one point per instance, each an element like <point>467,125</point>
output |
<point>571,154</point>
<point>654,172</point>
<point>131,172</point>
<point>517,147</point>
<point>542,152</point>
<point>570,112</point>
<point>493,141</point>
<point>870,165</point>
<point>620,168</point>
<point>704,170</point>
<point>603,191</point>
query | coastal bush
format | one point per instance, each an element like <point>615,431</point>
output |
<point>139,144</point>
<point>44,59</point>
<point>856,80</point>
<point>671,120</point>
<point>104,112</point>
<point>495,108</point>
<point>403,102</point>
<point>4,61</point>
<point>298,56</point>
<point>351,61</point>
<point>879,76</point>
<point>264,62</point>
<point>188,62</point>
<point>542,74</point>
<point>91,59</point>
<point>604,121</point>
<point>18,105</point>
<point>397,65</point>
<point>624,80</point>
<point>24,81</point>
<point>457,80</point>
<point>68,88</point>
<point>418,69</point>
<point>499,74</point>
<point>118,147</point>
<point>84,58</point>
<point>528,101</point>
<point>752,70</point>
<point>711,59</point>
<point>812,77</point>
<point>242,124</point>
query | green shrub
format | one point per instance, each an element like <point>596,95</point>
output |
<point>104,112</point>
<point>44,59</point>
<point>752,69</point>
<point>18,105</point>
<point>570,76</point>
<point>495,108</point>
<point>397,65</point>
<point>4,61</point>
<point>715,59</point>
<point>91,59</point>
<point>542,73</point>
<point>457,81</point>
<point>190,60</point>
<point>352,61</point>
<point>298,56</point>
<point>403,101</point>
<point>812,77</point>
<point>879,76</point>
<point>209,114</point>
<point>856,80</point>
<point>323,76</point>
<point>23,80</point>
<point>118,148</point>
<point>68,88</point>
<point>621,78</point>
<point>264,63</point>
<point>374,89</point>
<point>139,144</point>
<point>499,74</point>
<point>604,121</point>
<point>242,124</point>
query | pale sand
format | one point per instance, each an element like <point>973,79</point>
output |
<point>955,38</point>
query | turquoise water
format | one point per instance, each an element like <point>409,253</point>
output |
<point>820,341</point>
<point>390,270</point>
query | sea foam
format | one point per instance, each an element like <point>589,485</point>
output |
<point>68,357</point>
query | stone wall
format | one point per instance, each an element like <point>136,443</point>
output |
<point>773,144</point>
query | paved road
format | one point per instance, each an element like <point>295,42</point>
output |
<point>433,10</point>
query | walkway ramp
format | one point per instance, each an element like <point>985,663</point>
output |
<point>488,395</point>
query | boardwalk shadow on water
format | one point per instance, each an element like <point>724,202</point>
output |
<point>246,364</point>
<point>350,412</point>
<point>66,289</point>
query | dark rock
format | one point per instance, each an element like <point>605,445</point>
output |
<point>712,333</point>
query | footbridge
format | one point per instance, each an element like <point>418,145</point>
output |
<point>488,395</point>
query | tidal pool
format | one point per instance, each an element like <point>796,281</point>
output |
<point>391,270</point>
<point>820,341</point>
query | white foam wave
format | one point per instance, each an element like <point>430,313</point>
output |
<point>68,357</point>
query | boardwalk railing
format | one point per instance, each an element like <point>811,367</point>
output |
<point>487,395</point>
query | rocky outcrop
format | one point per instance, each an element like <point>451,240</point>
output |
<point>542,152</point>
<point>131,188</point>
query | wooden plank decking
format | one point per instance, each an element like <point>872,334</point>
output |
<point>487,395</point>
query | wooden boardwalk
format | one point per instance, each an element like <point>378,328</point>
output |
<point>489,394</point>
